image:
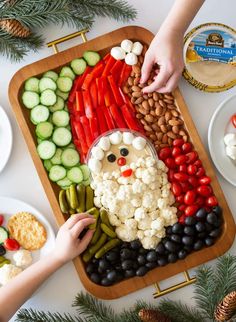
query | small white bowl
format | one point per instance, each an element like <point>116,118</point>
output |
<point>5,139</point>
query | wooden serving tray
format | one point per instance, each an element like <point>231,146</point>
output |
<point>55,62</point>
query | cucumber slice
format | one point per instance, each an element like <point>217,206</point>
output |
<point>78,65</point>
<point>46,150</point>
<point>39,140</point>
<point>57,173</point>
<point>56,159</point>
<point>64,182</point>
<point>61,136</point>
<point>30,99</point>
<point>67,72</point>
<point>3,234</point>
<point>47,164</point>
<point>32,84</point>
<point>62,95</point>
<point>71,145</point>
<point>59,105</point>
<point>39,114</point>
<point>61,118</point>
<point>64,84</point>
<point>66,108</point>
<point>48,97</point>
<point>85,170</point>
<point>44,130</point>
<point>91,57</point>
<point>86,182</point>
<point>70,157</point>
<point>51,74</point>
<point>75,175</point>
<point>47,83</point>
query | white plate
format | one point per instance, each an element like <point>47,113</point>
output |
<point>5,138</point>
<point>9,207</point>
<point>220,125</point>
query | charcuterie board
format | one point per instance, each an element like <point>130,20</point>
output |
<point>102,45</point>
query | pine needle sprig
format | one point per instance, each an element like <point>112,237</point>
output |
<point>131,315</point>
<point>25,315</point>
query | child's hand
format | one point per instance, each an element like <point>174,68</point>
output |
<point>166,50</point>
<point>68,243</point>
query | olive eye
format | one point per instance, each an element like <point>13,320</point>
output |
<point>111,157</point>
<point>124,152</point>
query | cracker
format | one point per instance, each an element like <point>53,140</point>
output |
<point>27,230</point>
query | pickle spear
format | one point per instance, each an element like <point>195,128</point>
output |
<point>73,197</point>
<point>89,197</point>
<point>81,198</point>
<point>108,246</point>
<point>63,202</point>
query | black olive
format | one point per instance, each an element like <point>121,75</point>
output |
<point>112,256</point>
<point>190,220</point>
<point>103,264</point>
<point>218,222</point>
<point>141,271</point>
<point>209,241</point>
<point>151,256</point>
<point>188,248</point>
<point>187,240</point>
<point>89,268</point>
<point>119,276</point>
<point>172,258</point>
<point>171,246</point>
<point>198,245</point>
<point>129,273</point>
<point>188,230</point>
<point>127,264</point>
<point>141,259</point>
<point>100,270</point>
<point>168,230</point>
<point>201,214</point>
<point>217,210</point>
<point>112,275</point>
<point>111,157</point>
<point>95,278</point>
<point>105,281</point>
<point>160,249</point>
<point>95,261</point>
<point>200,227</point>
<point>2,250</point>
<point>162,261</point>
<point>211,218</point>
<point>142,250</point>
<point>202,235</point>
<point>125,253</point>
<point>118,267</point>
<point>124,152</point>
<point>151,265</point>
<point>182,254</point>
<point>135,244</point>
<point>175,238</point>
<point>125,245</point>
<point>215,233</point>
<point>208,227</point>
<point>177,228</point>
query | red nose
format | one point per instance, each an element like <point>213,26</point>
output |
<point>121,161</point>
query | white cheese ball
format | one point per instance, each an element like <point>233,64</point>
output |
<point>128,138</point>
<point>118,53</point>
<point>97,153</point>
<point>94,165</point>
<point>139,143</point>
<point>22,258</point>
<point>8,272</point>
<point>115,138</point>
<point>230,139</point>
<point>104,143</point>
<point>231,152</point>
<point>127,45</point>
<point>131,59</point>
<point>137,48</point>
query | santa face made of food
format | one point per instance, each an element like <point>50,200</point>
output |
<point>132,185</point>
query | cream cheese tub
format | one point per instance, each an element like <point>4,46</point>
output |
<point>210,57</point>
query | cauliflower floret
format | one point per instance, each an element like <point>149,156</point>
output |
<point>154,214</point>
<point>140,213</point>
<point>113,207</point>
<point>97,202</point>
<point>8,272</point>
<point>131,223</point>
<point>158,223</point>
<point>136,202</point>
<point>148,200</point>
<point>145,224</point>
<point>110,185</point>
<point>126,211</point>
<point>140,234</point>
<point>164,179</point>
<point>107,176</point>
<point>133,166</point>
<point>115,174</point>
<point>140,162</point>
<point>171,198</point>
<point>138,173</point>
<point>114,221</point>
<point>162,203</point>
<point>169,214</point>
<point>150,162</point>
<point>161,166</point>
<point>171,221</point>
<point>123,180</point>
<point>161,233</point>
<point>152,171</point>
<point>125,233</point>
<point>22,258</point>
<point>138,186</point>
<point>150,242</point>
<point>150,232</point>
<point>147,178</point>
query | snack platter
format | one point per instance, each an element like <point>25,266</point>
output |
<point>178,147</point>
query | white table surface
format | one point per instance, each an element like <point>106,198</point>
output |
<point>20,179</point>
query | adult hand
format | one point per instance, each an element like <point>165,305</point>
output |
<point>166,50</point>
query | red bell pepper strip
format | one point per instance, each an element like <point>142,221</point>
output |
<point>116,69</point>
<point>128,102</point>
<point>117,116</point>
<point>115,90</point>
<point>88,108</point>
<point>129,118</point>
<point>126,70</point>
<point>101,120</point>
<point>74,134</point>
<point>85,123</point>
<point>79,149</point>
<point>110,63</point>
<point>106,57</point>
<point>87,81</point>
<point>79,102</point>
<point>99,83</point>
<point>81,136</point>
<point>78,83</point>
<point>94,94</point>
<point>108,96</point>
<point>98,69</point>
<point>110,122</point>
<point>70,106</point>
<point>93,122</point>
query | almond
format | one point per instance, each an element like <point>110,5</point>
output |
<point>171,135</point>
<point>139,116</point>
<point>155,127</point>
<point>158,110</point>
<point>137,94</point>
<point>168,116</point>
<point>175,129</point>
<point>149,118</point>
<point>142,111</point>
<point>145,105</point>
<point>130,81</point>
<point>155,96</point>
<point>173,122</point>
<point>145,96</point>
<point>136,69</point>
<point>151,102</point>
<point>143,122</point>
<point>163,128</point>
<point>136,80</point>
<point>159,136</point>
<point>182,133</point>
<point>165,139</point>
<point>139,100</point>
<point>147,128</point>
<point>170,141</point>
<point>161,121</point>
<point>152,112</point>
<point>135,88</point>
<point>125,89</point>
<point>174,113</point>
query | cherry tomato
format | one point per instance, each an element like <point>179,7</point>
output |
<point>193,181</point>
<point>191,210</point>
<point>11,244</point>
<point>211,201</point>
<point>191,157</point>
<point>180,199</point>
<point>170,163</point>
<point>187,147</point>
<point>192,169</point>
<point>178,142</point>
<point>1,220</point>
<point>127,173</point>
<point>176,151</point>
<point>176,189</point>
<point>185,186</point>
<point>181,219</point>
<point>182,207</point>
<point>121,161</point>
<point>233,120</point>
<point>205,180</point>
<point>189,197</point>
<point>180,159</point>
<point>204,191</point>
<point>171,175</point>
<point>180,176</point>
<point>200,201</point>
<point>198,163</point>
<point>164,153</point>
<point>183,168</point>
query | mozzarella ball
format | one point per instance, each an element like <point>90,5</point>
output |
<point>127,45</point>
<point>118,53</point>
<point>139,143</point>
<point>116,138</point>
<point>128,138</point>
<point>231,152</point>
<point>104,143</point>
<point>230,139</point>
<point>97,153</point>
<point>137,48</point>
<point>131,59</point>
<point>22,258</point>
<point>95,165</point>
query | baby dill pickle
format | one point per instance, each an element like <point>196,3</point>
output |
<point>89,197</point>
<point>93,249</point>
<point>6,261</point>
<point>108,231</point>
<point>108,246</point>
<point>104,218</point>
<point>68,198</point>
<point>73,197</point>
<point>81,198</point>
<point>62,201</point>
<point>96,234</point>
<point>87,256</point>
<point>72,211</point>
<point>95,213</point>
<point>2,259</point>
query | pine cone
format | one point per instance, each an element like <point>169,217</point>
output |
<point>147,315</point>
<point>226,308</point>
<point>14,28</point>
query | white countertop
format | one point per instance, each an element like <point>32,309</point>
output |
<point>20,180</point>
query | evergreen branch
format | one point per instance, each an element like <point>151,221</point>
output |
<point>30,315</point>
<point>131,315</point>
<point>93,309</point>
<point>179,312</point>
